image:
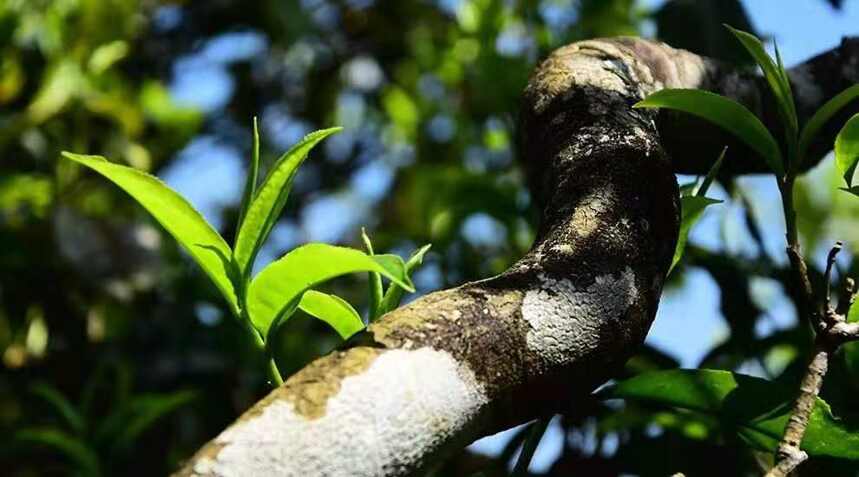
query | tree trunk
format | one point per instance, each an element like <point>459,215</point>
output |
<point>458,364</point>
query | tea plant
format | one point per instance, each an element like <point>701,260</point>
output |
<point>264,302</point>
<point>753,406</point>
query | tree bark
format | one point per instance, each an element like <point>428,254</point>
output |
<point>458,364</point>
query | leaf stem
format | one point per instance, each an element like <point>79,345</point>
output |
<point>274,375</point>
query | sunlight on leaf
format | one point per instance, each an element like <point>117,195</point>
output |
<point>824,114</point>
<point>333,310</point>
<point>394,294</point>
<point>847,149</point>
<point>177,216</point>
<point>266,206</point>
<point>277,287</point>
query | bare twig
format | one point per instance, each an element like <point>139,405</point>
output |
<point>789,455</point>
<point>848,295</point>
<point>832,331</point>
<point>827,275</point>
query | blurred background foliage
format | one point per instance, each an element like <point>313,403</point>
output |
<point>118,357</point>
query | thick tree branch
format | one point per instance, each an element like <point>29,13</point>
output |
<point>458,364</point>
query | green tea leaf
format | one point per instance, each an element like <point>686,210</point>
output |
<point>824,114</point>
<point>756,408</point>
<point>265,208</point>
<point>251,180</point>
<point>847,149</point>
<point>725,113</point>
<point>333,310</point>
<point>394,294</point>
<point>63,406</point>
<point>176,215</point>
<point>278,286</point>
<point>775,75</point>
<point>144,410</point>
<point>711,174</point>
<point>691,210</point>
<point>69,446</point>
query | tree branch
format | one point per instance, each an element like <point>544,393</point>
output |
<point>458,364</point>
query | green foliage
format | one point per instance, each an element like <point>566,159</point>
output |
<point>725,113</point>
<point>117,296</point>
<point>87,441</point>
<point>776,78</point>
<point>394,293</point>
<point>177,216</point>
<point>62,406</point>
<point>271,298</point>
<point>847,149</point>
<point>824,114</point>
<point>268,203</point>
<point>756,409</point>
<point>383,301</point>
<point>85,460</point>
<point>249,192</point>
<point>692,209</point>
<point>274,293</point>
<point>333,310</point>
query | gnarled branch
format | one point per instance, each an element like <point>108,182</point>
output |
<point>458,364</point>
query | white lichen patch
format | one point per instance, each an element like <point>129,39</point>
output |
<point>381,422</point>
<point>564,319</point>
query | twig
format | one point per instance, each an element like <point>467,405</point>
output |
<point>789,455</point>
<point>832,331</point>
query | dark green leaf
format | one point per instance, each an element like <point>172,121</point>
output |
<point>725,113</point>
<point>266,207</point>
<point>691,210</point>
<point>775,76</point>
<point>333,310</point>
<point>711,174</point>
<point>847,149</point>
<point>146,410</point>
<point>173,212</point>
<point>71,447</point>
<point>63,406</point>
<point>278,286</point>
<point>756,408</point>
<point>824,114</point>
